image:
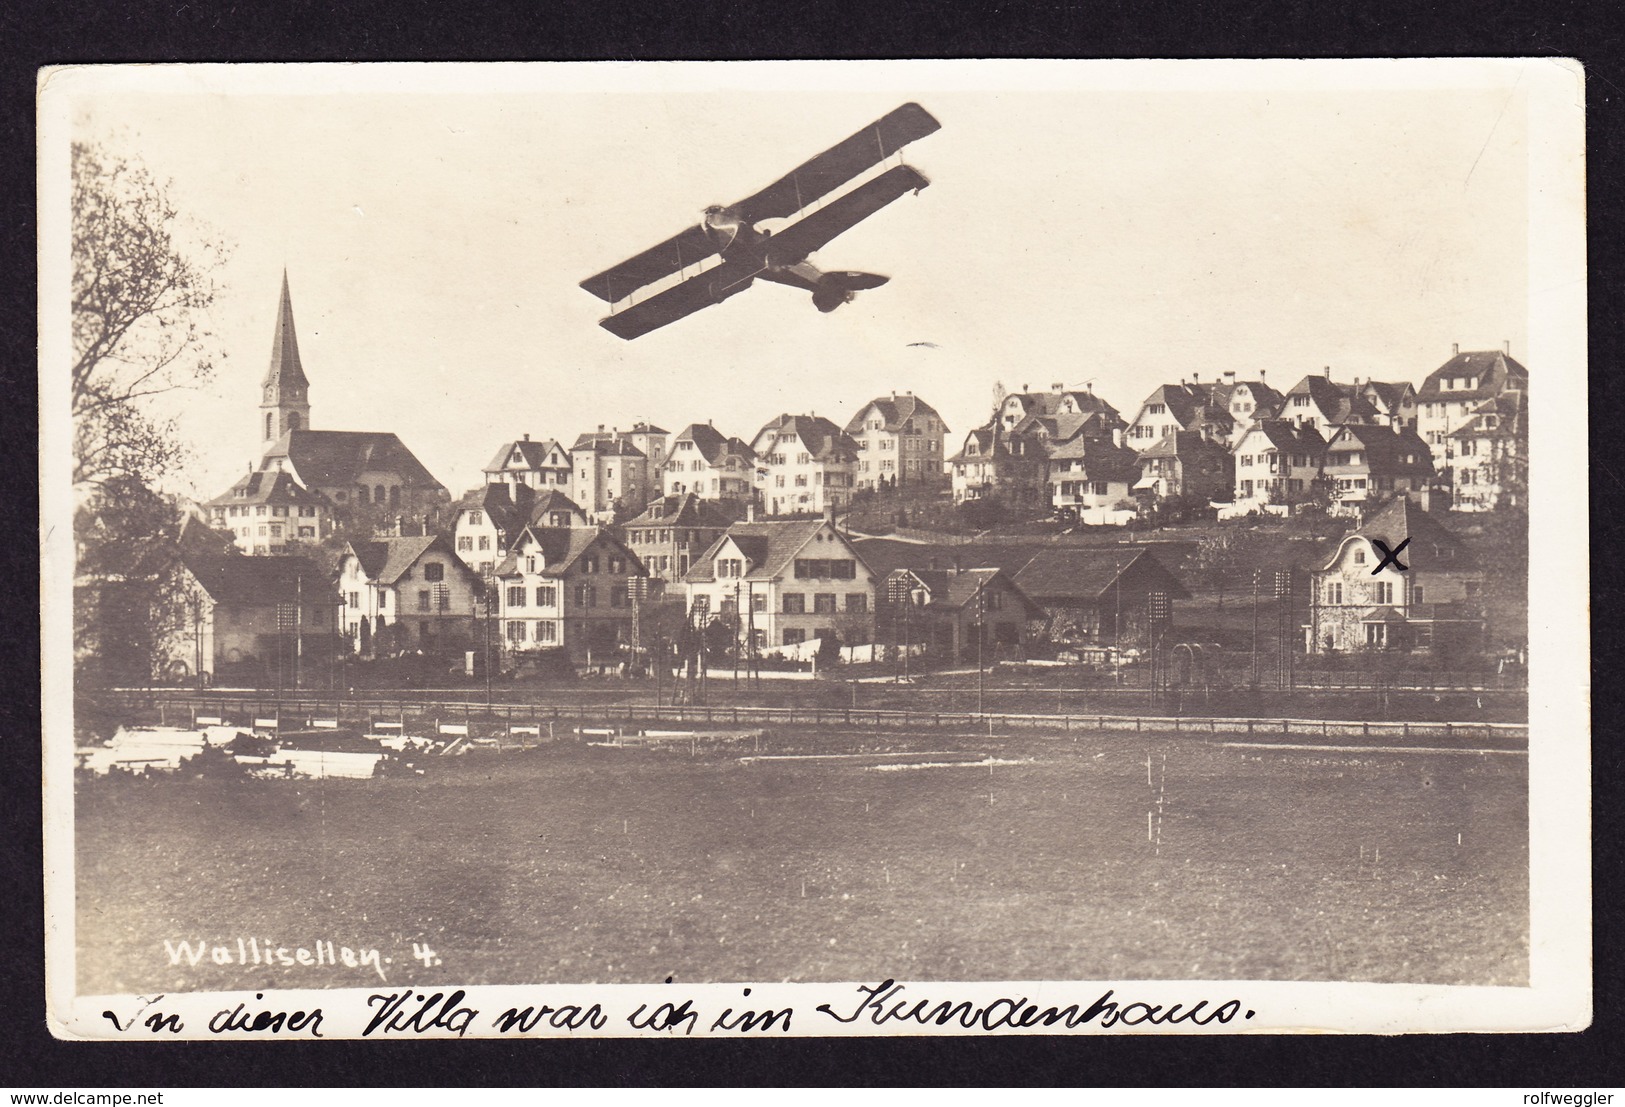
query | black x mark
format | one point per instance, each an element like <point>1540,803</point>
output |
<point>1390,557</point>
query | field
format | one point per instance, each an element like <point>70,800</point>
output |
<point>580,864</point>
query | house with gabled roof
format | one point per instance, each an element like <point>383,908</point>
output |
<point>1185,463</point>
<point>804,465</point>
<point>709,464</point>
<point>1186,407</point>
<point>1452,392</point>
<point>573,588</point>
<point>1247,401</point>
<point>1092,477</point>
<point>1095,594</point>
<point>1394,402</point>
<point>1318,401</point>
<point>956,614</point>
<point>785,581</point>
<point>900,442</point>
<point>271,513</point>
<point>1362,601</point>
<point>407,593</point>
<point>674,530</point>
<point>273,614</point>
<point>1008,466</point>
<point>1366,462</point>
<point>1276,462</point>
<point>488,519</point>
<point>539,464</point>
<point>1059,400</point>
<point>1489,454</point>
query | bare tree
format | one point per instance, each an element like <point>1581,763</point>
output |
<point>142,281</point>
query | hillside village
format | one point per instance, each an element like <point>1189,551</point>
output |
<point>1065,526</point>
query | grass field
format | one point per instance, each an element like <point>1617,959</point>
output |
<point>582,864</point>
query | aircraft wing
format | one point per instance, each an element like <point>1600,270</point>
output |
<point>619,282</point>
<point>711,287</point>
<point>839,164</point>
<point>805,236</point>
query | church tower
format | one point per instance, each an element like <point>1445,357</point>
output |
<point>285,396</point>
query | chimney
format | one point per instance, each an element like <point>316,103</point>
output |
<point>1059,386</point>
<point>1117,437</point>
<point>1182,382</point>
<point>1229,376</point>
<point>1455,348</point>
<point>829,512</point>
<point>1089,387</point>
<point>1326,372</point>
<point>425,531</point>
<point>527,436</point>
<point>1196,378</point>
<point>1506,346</point>
<point>1262,373</point>
<point>600,428</point>
<point>750,511</point>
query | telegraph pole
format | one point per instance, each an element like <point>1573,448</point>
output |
<point>1255,629</point>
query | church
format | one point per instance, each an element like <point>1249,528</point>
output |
<point>368,481</point>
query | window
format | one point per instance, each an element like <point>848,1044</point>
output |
<point>795,603</point>
<point>857,603</point>
<point>260,510</point>
<point>383,599</point>
<point>516,595</point>
<point>581,595</point>
<point>617,598</point>
<point>1376,635</point>
<point>423,599</point>
<point>758,601</point>
<point>794,636</point>
<point>378,494</point>
<point>1416,594</point>
<point>307,532</point>
<point>276,530</point>
<point>730,567</point>
<point>355,599</point>
<point>589,564</point>
<point>1383,592</point>
<point>516,632</point>
<point>1334,592</point>
<point>592,596</point>
<point>262,530</point>
<point>395,496</point>
<point>475,518</point>
<point>465,544</point>
<point>280,511</point>
<point>1359,555</point>
<point>1100,488</point>
<point>546,595</point>
<point>824,603</point>
<point>547,632</point>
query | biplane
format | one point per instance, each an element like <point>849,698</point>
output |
<point>749,252</point>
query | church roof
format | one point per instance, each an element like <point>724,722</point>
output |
<point>327,459</point>
<point>285,371</point>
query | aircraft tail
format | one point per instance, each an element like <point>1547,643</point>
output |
<point>837,288</point>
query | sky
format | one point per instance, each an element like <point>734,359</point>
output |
<point>1118,226</point>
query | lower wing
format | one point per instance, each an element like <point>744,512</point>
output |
<point>710,287</point>
<point>796,241</point>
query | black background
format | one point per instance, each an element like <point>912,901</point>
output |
<point>34,34</point>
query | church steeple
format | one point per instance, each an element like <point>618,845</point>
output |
<point>285,395</point>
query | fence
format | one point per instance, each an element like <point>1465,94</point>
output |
<point>425,717</point>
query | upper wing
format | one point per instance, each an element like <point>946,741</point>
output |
<point>687,248</point>
<point>801,238</point>
<point>710,287</point>
<point>839,164</point>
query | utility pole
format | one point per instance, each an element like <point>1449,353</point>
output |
<point>298,623</point>
<point>736,638</point>
<point>981,617</point>
<point>1255,629</point>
